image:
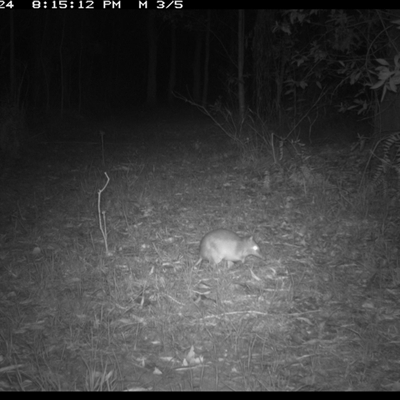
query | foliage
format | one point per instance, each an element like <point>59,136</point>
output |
<point>341,51</point>
<point>388,77</point>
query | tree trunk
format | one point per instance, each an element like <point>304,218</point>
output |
<point>172,66</point>
<point>152,67</point>
<point>241,97</point>
<point>197,67</point>
<point>388,116</point>
<point>13,96</point>
<point>62,76</point>
<point>206,59</point>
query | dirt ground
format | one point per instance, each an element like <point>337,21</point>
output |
<point>321,312</point>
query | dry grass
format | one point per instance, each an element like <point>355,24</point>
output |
<point>320,314</point>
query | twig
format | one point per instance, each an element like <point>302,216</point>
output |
<point>102,215</point>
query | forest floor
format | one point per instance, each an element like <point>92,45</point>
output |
<point>321,312</point>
